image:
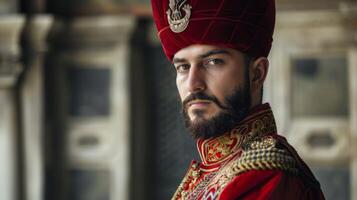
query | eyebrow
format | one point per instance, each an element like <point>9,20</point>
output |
<point>178,60</point>
<point>205,55</point>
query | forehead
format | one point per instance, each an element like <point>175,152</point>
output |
<point>200,50</point>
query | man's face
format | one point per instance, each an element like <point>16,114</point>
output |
<point>213,85</point>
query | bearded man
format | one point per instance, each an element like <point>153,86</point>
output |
<point>219,50</point>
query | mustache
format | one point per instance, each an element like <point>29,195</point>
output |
<point>202,96</point>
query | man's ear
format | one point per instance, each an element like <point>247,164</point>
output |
<point>258,72</point>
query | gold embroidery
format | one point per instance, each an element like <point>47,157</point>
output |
<point>188,182</point>
<point>221,147</point>
<point>263,154</point>
<point>217,150</point>
<point>247,147</point>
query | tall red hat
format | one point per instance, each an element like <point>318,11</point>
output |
<point>245,25</point>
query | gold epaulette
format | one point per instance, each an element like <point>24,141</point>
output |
<point>264,154</point>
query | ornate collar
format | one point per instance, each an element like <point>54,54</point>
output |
<point>213,151</point>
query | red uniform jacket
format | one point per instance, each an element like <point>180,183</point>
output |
<point>251,162</point>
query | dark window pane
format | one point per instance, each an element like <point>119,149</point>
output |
<point>89,92</point>
<point>319,87</point>
<point>88,141</point>
<point>89,185</point>
<point>321,139</point>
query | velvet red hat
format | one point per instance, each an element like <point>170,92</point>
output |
<point>245,25</point>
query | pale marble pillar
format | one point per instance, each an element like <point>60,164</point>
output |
<point>353,97</point>
<point>32,104</point>
<point>349,11</point>
<point>10,27</point>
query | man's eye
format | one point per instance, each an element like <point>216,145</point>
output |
<point>182,68</point>
<point>215,61</point>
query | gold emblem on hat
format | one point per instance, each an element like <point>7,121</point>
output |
<point>178,23</point>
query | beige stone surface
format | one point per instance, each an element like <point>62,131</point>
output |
<point>7,146</point>
<point>316,34</point>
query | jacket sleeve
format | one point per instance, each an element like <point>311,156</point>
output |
<point>269,184</point>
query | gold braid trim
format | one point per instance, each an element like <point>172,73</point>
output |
<point>262,154</point>
<point>187,183</point>
<point>259,153</point>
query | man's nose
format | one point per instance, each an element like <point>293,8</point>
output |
<point>196,81</point>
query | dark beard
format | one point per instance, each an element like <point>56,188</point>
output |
<point>236,109</point>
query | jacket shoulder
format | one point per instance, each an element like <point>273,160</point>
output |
<point>264,153</point>
<point>270,152</point>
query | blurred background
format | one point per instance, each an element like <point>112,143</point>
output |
<point>89,108</point>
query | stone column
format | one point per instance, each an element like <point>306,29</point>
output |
<point>32,104</point>
<point>349,11</point>
<point>89,67</point>
<point>353,89</point>
<point>10,27</point>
